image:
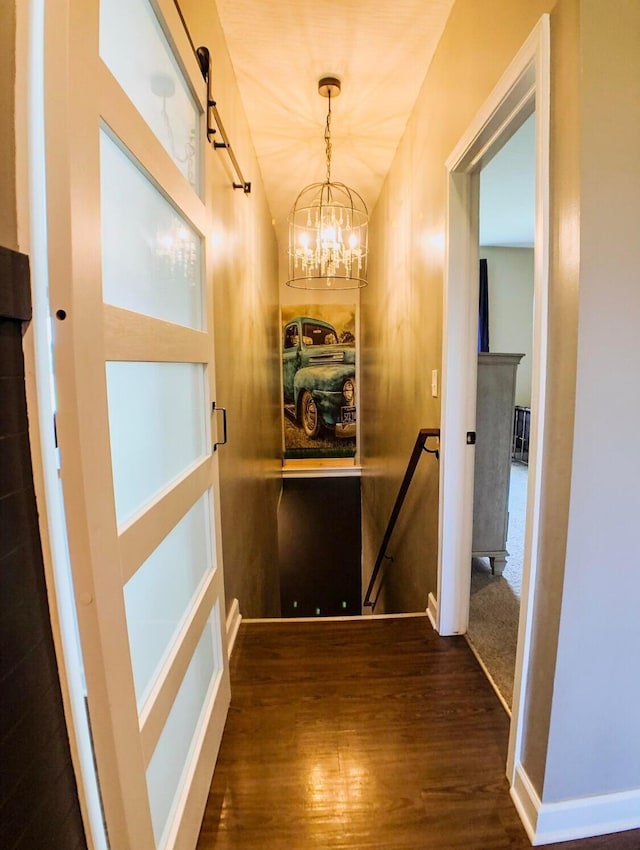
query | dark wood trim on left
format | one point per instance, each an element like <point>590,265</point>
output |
<point>15,288</point>
<point>39,806</point>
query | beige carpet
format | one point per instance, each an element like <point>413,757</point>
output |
<point>495,600</point>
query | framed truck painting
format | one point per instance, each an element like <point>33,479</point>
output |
<point>319,381</point>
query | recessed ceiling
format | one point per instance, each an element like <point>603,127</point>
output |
<point>380,50</point>
<point>508,191</point>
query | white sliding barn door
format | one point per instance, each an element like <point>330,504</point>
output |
<point>131,303</point>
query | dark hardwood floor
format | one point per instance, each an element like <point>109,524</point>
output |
<point>367,734</point>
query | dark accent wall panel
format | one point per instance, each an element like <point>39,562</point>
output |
<point>319,539</point>
<point>39,806</point>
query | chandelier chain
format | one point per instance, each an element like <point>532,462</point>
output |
<point>327,139</point>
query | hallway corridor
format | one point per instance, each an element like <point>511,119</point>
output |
<point>374,733</point>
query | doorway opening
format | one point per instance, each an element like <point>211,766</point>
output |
<point>503,405</point>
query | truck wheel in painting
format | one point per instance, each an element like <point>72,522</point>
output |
<point>309,415</point>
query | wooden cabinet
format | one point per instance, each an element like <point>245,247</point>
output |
<point>494,428</point>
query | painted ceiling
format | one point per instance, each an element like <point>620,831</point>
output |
<point>381,52</point>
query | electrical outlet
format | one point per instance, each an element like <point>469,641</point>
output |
<point>434,383</point>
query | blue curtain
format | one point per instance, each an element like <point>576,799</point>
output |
<point>483,311</point>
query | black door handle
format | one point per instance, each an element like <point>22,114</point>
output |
<point>222,442</point>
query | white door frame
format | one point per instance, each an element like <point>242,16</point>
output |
<point>523,87</point>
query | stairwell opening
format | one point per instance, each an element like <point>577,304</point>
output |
<point>320,547</point>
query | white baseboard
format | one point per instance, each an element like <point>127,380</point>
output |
<point>526,801</point>
<point>351,618</point>
<point>549,823</point>
<point>234,618</point>
<point>432,611</point>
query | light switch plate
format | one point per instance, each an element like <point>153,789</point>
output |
<point>434,383</point>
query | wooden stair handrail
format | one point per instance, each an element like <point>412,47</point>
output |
<point>419,447</point>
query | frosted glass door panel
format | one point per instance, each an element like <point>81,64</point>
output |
<point>136,51</point>
<point>151,256</point>
<point>157,427</point>
<point>173,753</point>
<point>161,593</point>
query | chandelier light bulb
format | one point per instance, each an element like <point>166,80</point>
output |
<point>329,236</point>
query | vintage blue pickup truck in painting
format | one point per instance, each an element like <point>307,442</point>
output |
<point>319,378</point>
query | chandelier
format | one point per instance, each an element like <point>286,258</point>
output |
<point>328,227</point>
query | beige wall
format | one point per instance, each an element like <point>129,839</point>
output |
<point>594,743</point>
<point>247,350</point>
<point>8,223</point>
<point>510,273</point>
<point>402,307</point>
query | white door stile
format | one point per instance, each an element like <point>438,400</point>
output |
<point>105,556</point>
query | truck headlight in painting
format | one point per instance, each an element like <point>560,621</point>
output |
<point>349,391</point>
